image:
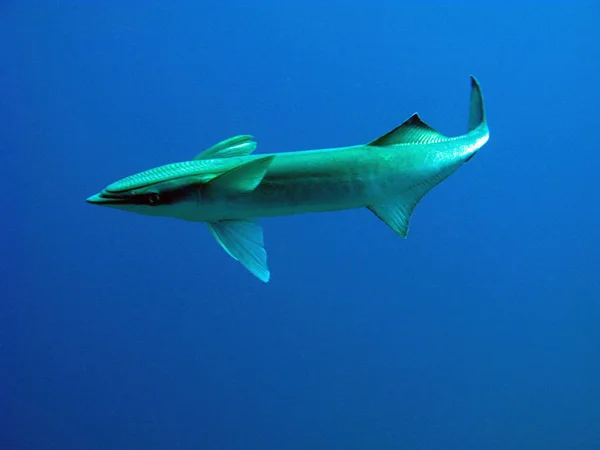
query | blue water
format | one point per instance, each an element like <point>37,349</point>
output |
<point>119,331</point>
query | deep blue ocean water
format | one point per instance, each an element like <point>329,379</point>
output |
<point>480,331</point>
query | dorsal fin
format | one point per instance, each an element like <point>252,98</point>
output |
<point>413,131</point>
<point>242,145</point>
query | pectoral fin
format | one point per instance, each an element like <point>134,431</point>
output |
<point>243,241</point>
<point>243,178</point>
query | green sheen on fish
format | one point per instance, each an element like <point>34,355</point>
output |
<point>229,188</point>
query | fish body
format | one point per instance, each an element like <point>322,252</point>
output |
<point>229,188</point>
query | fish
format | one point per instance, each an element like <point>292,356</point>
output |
<point>230,188</point>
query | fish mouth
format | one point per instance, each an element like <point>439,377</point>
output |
<point>103,199</point>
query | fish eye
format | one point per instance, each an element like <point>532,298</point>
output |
<point>153,199</point>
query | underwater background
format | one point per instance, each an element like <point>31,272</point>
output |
<point>479,331</point>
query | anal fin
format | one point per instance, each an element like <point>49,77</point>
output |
<point>396,211</point>
<point>243,241</point>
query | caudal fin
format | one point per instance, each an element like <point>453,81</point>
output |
<point>477,110</point>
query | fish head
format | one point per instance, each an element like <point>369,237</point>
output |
<point>162,191</point>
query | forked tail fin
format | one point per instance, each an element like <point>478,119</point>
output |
<point>477,110</point>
